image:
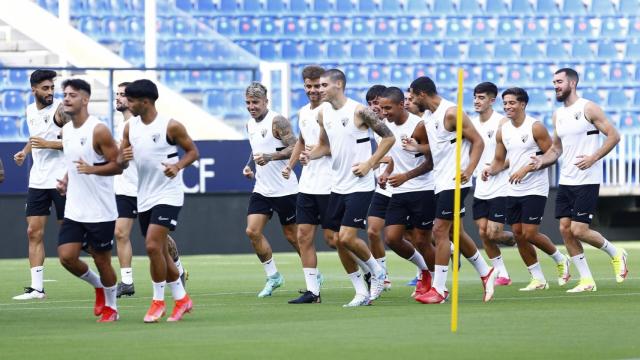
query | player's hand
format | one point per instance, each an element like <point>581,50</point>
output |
<point>19,157</point>
<point>171,170</point>
<point>286,172</point>
<point>410,144</point>
<point>361,169</point>
<point>61,187</point>
<point>247,172</point>
<point>261,159</point>
<point>465,177</point>
<point>516,177</point>
<point>486,173</point>
<point>83,167</point>
<point>396,180</point>
<point>309,148</point>
<point>38,142</point>
<point>585,161</point>
<point>536,162</point>
<point>127,153</point>
<point>382,180</point>
<point>304,157</point>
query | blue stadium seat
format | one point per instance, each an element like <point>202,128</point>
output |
<point>383,27</point>
<point>184,27</point>
<point>404,27</point>
<point>298,98</point>
<point>446,75</point>
<point>376,74</point>
<point>547,7</point>
<point>208,52</point>
<point>337,50</point>
<point>8,128</point>
<point>206,6</point>
<point>633,49</point>
<point>593,73</point>
<point>429,28</point>
<point>344,6</point>
<point>517,74</point>
<point>91,26</point>
<point>291,26</point>
<point>418,7</point>
<point>556,49</point>
<point>423,70</point>
<point>592,94</point>
<point>602,7</point>
<point>289,50</point>
<point>199,79</point>
<point>322,6</point>
<point>541,74</point>
<point>428,50</point>
<point>391,6</point>
<point>629,7</point>
<point>247,26</point>
<point>582,27</point>
<point>478,50</point>
<point>361,27</point>
<point>617,98</point>
<point>353,74</point>
<point>184,5</point>
<point>504,50</point>
<point>636,99</point>
<point>268,26</point>
<point>480,27</point>
<point>314,27</point>
<point>521,7</point>
<point>400,75</point>
<point>249,46</point>
<point>97,7</point>
<point>443,7</point>
<point>469,7</point>
<point>406,50</point>
<point>225,26</point>
<point>276,6</point>
<point>612,27</point>
<point>18,78</point>
<point>113,26</point>
<point>367,6</point>
<point>133,51</point>
<point>49,5</point>
<point>607,49</point>
<point>360,50</point>
<point>537,100</point>
<point>573,7</point>
<point>629,120</point>
<point>470,76</point>
<point>451,50</point>
<point>580,49</point>
<point>618,73</point>
<point>456,28</point>
<point>337,26</point>
<point>228,6</point>
<point>268,50</point>
<point>13,101</point>
<point>530,50</point>
<point>252,7</point>
<point>298,6</point>
<point>214,100</point>
<point>559,26</point>
<point>383,50</point>
<point>534,27</point>
<point>313,50</point>
<point>496,7</point>
<point>174,78</point>
<point>507,27</point>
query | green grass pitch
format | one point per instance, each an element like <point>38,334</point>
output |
<point>230,322</point>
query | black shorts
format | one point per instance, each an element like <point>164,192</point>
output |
<point>163,215</point>
<point>311,209</point>
<point>578,202</point>
<point>525,209</point>
<point>127,206</point>
<point>378,206</point>
<point>493,209</point>
<point>444,203</point>
<point>348,210</point>
<point>285,206</point>
<point>39,202</point>
<point>414,208</point>
<point>95,236</point>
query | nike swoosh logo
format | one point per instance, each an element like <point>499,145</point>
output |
<point>533,218</point>
<point>291,217</point>
<point>498,215</point>
<point>426,223</point>
<point>162,218</point>
<point>447,212</point>
<point>357,220</point>
<point>581,214</point>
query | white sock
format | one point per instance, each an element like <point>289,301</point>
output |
<point>311,279</point>
<point>158,290</point>
<point>375,268</point>
<point>270,267</point>
<point>177,289</point>
<point>580,261</point>
<point>358,283</point>
<point>179,266</point>
<point>498,264</point>
<point>557,257</point>
<point>606,247</point>
<point>451,247</point>
<point>383,263</point>
<point>110,296</point>
<point>37,278</point>
<point>479,264</point>
<point>418,260</point>
<point>92,278</point>
<point>536,272</point>
<point>363,266</point>
<point>127,275</point>
<point>440,278</point>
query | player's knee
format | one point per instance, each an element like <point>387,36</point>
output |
<point>530,234</point>
<point>579,230</point>
<point>253,234</point>
<point>67,259</point>
<point>440,233</point>
<point>35,233</point>
<point>373,234</point>
<point>153,247</point>
<point>565,229</point>
<point>120,234</point>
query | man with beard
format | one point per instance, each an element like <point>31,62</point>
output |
<point>577,125</point>
<point>45,118</point>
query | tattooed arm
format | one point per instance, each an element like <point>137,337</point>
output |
<point>366,117</point>
<point>281,130</point>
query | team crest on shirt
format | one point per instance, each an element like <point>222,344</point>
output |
<point>45,118</point>
<point>155,137</point>
<point>303,122</point>
<point>436,124</point>
<point>490,134</point>
<point>263,132</point>
<point>344,121</point>
<point>577,115</point>
<point>524,137</point>
<point>83,140</point>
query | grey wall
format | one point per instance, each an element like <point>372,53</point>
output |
<point>215,223</point>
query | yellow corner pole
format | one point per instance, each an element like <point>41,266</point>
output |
<point>456,205</point>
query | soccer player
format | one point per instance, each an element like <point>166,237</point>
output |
<point>126,188</point>
<point>408,177</point>
<point>577,125</point>
<point>489,197</point>
<point>344,134</point>
<point>314,187</point>
<point>440,123</point>
<point>410,106</point>
<point>152,140</point>
<point>90,156</point>
<point>272,142</point>
<point>45,118</point>
<point>517,140</point>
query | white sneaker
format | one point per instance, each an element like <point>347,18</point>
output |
<point>31,294</point>
<point>584,285</point>
<point>563,271</point>
<point>377,286</point>
<point>534,285</point>
<point>358,300</point>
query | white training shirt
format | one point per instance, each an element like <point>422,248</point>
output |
<point>579,137</point>
<point>269,180</point>
<point>316,176</point>
<point>381,168</point>
<point>404,161</point>
<point>495,186</point>
<point>48,164</point>
<point>443,148</point>
<point>521,146</point>
<point>90,198</point>
<point>150,151</point>
<point>127,182</point>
